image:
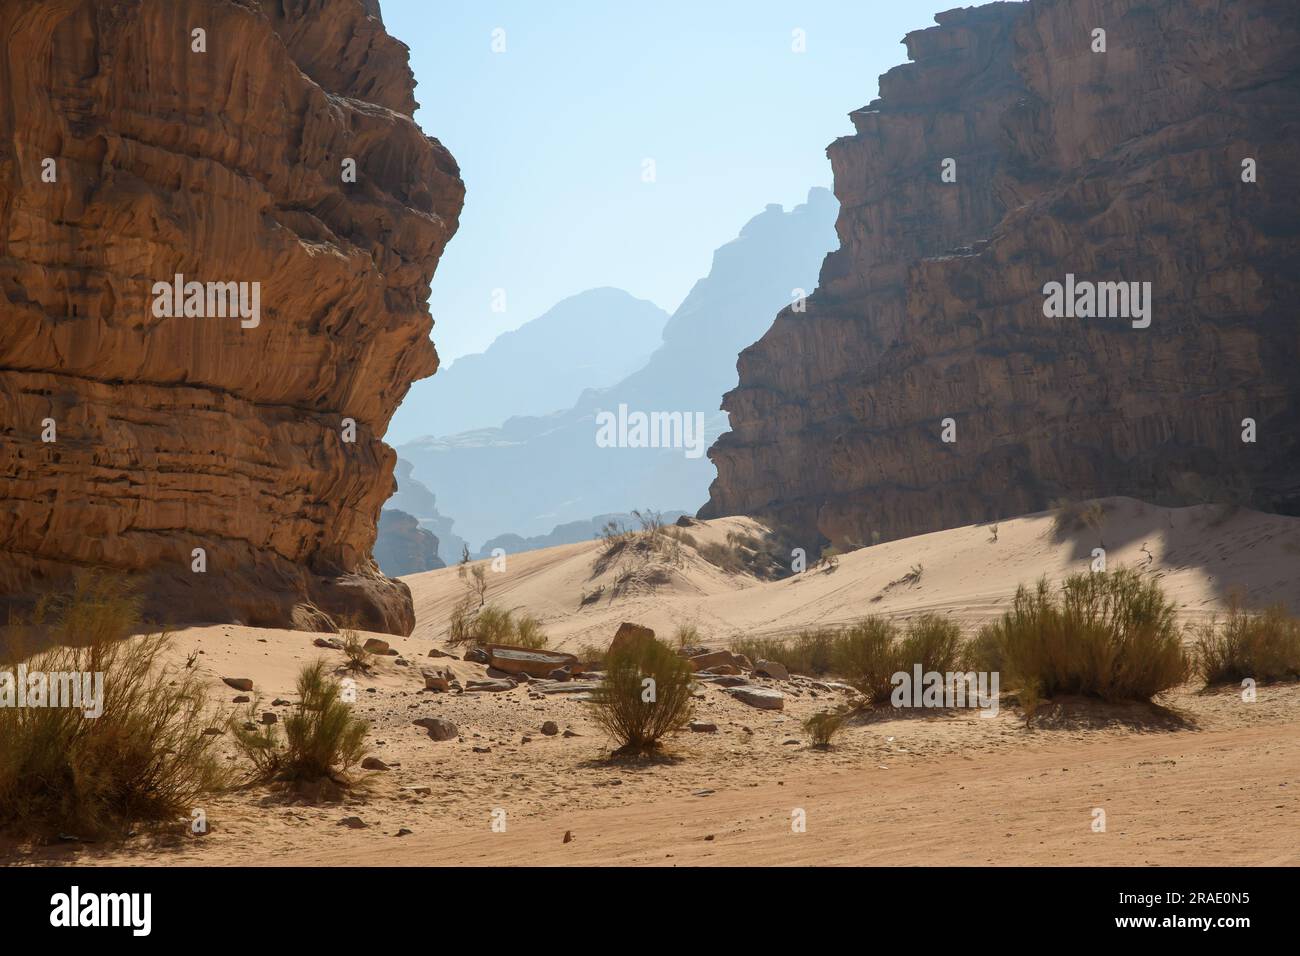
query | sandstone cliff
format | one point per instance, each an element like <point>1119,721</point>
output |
<point>1123,165</point>
<point>133,149</point>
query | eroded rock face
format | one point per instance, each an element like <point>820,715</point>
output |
<point>1117,166</point>
<point>186,432</point>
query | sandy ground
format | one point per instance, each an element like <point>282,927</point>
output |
<point>1204,778</point>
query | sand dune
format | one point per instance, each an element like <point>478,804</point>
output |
<point>1199,554</point>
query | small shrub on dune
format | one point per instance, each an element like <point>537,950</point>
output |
<point>321,737</point>
<point>1263,646</point>
<point>1111,635</point>
<point>644,696</point>
<point>356,657</point>
<point>143,759</point>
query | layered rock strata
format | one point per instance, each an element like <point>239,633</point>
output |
<point>230,461</point>
<point>1067,164</point>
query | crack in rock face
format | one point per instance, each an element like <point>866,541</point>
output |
<point>222,449</point>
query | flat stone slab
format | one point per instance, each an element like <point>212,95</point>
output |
<point>724,680</point>
<point>489,686</point>
<point>523,660</point>
<point>759,697</point>
<point>566,686</point>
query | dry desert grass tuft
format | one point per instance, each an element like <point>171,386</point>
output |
<point>138,754</point>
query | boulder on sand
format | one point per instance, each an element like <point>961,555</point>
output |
<point>760,697</point>
<point>714,659</point>
<point>628,634</point>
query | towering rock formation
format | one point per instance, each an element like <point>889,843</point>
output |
<point>1124,165</point>
<point>214,140</point>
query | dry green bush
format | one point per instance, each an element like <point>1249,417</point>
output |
<point>1071,517</point>
<point>635,714</point>
<point>321,737</point>
<point>744,553</point>
<point>1261,646</point>
<point>494,625</point>
<point>810,652</point>
<point>825,726</point>
<point>872,651</point>
<point>356,658</point>
<point>144,759</point>
<point>1111,635</point>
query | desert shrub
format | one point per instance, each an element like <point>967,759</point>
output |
<point>635,715</point>
<point>528,632</point>
<point>640,558</point>
<point>687,635</point>
<point>494,625</point>
<point>356,657</point>
<point>321,737</point>
<point>872,651</point>
<point>1109,634</point>
<point>1070,517</point>
<point>1262,646</point>
<point>810,652</point>
<point>144,759</point>
<point>824,727</point>
<point>745,553</point>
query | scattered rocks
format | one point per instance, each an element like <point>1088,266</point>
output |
<point>373,763</point>
<point>270,717</point>
<point>281,702</point>
<point>353,823</point>
<point>700,727</point>
<point>760,697</point>
<point>550,728</point>
<point>375,646</point>
<point>420,790</point>
<point>239,683</point>
<point>476,655</point>
<point>568,836</point>
<point>240,699</point>
<point>403,832</point>
<point>439,728</point>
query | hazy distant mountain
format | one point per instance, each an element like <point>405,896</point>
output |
<point>569,533</point>
<point>589,340</point>
<point>534,473</point>
<point>413,498</point>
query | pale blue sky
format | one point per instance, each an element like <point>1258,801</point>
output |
<point>551,135</point>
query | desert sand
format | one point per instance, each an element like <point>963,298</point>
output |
<point>1202,778</point>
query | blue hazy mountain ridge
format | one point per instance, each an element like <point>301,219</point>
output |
<point>533,473</point>
<point>589,340</point>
